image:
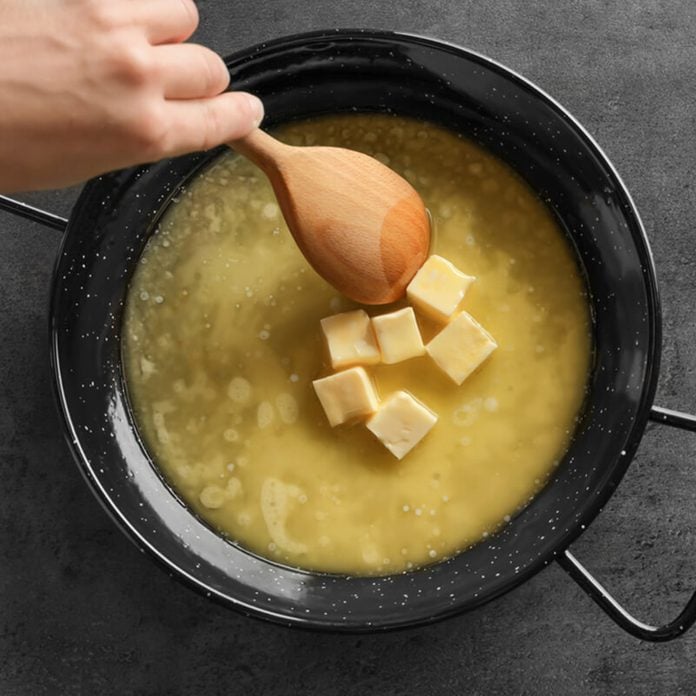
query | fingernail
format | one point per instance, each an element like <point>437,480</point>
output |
<point>256,109</point>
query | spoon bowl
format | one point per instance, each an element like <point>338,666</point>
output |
<point>360,225</point>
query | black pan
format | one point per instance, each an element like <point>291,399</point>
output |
<point>347,71</point>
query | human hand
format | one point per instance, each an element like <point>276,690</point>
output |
<point>87,86</point>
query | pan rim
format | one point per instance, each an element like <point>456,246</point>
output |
<point>636,430</point>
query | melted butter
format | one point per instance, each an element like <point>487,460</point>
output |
<point>222,341</point>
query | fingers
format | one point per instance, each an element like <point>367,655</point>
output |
<point>188,71</point>
<point>199,124</point>
<point>165,21</point>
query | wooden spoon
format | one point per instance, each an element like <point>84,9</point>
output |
<point>360,225</point>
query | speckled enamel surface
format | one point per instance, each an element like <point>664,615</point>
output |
<point>500,111</point>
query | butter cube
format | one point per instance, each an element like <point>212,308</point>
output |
<point>401,423</point>
<point>350,339</point>
<point>398,336</point>
<point>461,347</point>
<point>346,396</point>
<point>438,288</point>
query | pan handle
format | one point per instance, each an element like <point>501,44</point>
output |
<point>29,212</point>
<point>601,596</point>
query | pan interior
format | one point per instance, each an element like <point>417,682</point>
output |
<point>222,341</point>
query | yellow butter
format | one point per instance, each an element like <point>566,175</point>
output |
<point>350,339</point>
<point>401,423</point>
<point>461,347</point>
<point>438,288</point>
<point>398,336</point>
<point>346,396</point>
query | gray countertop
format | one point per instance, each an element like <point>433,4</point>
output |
<point>82,612</point>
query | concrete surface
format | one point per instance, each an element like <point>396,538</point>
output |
<point>82,612</point>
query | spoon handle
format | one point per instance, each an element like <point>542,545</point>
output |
<point>259,147</point>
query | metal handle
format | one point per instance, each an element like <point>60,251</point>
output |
<point>601,596</point>
<point>29,212</point>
